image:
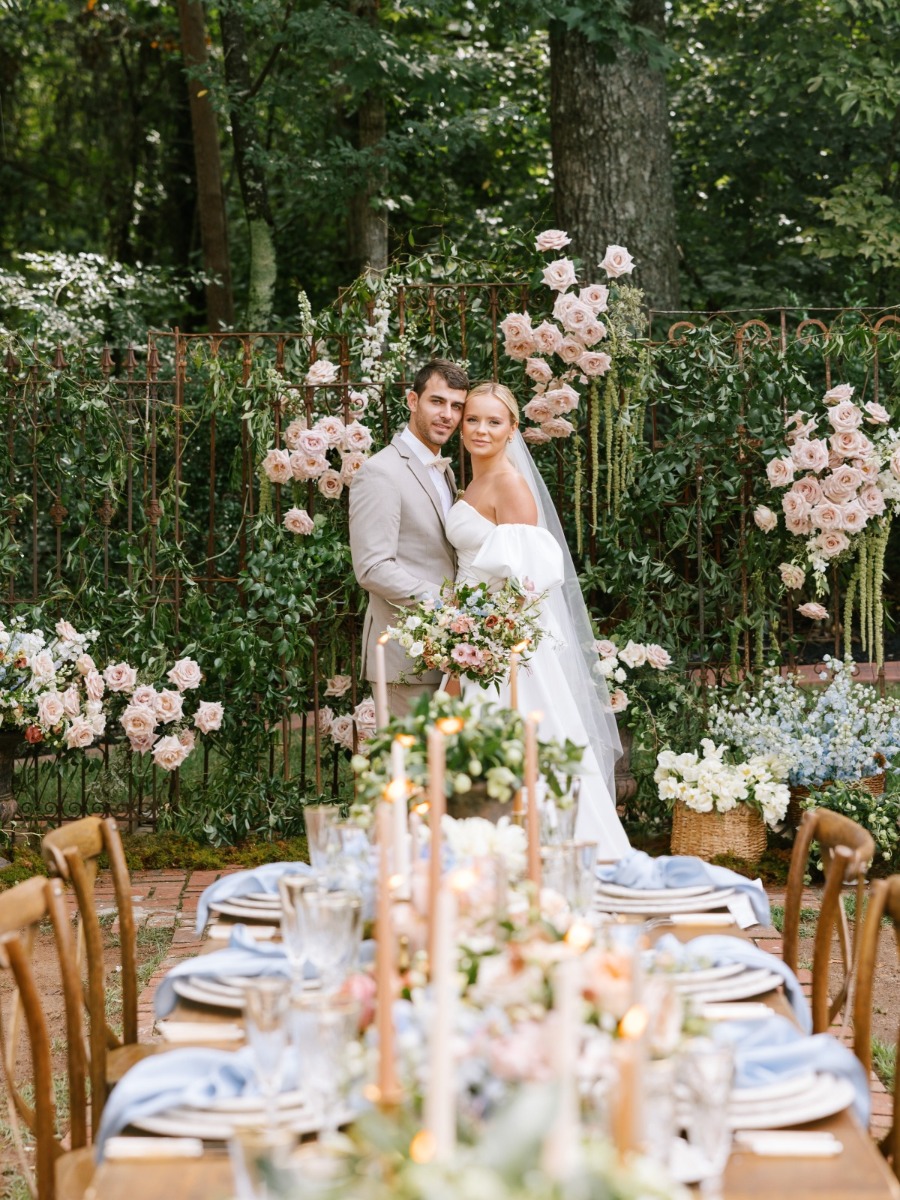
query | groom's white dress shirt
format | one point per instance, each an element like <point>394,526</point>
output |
<point>437,474</point>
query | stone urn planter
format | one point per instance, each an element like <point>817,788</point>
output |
<point>477,803</point>
<point>11,745</point>
<point>626,784</point>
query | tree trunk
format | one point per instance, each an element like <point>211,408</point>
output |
<point>248,152</point>
<point>612,155</point>
<point>368,225</point>
<point>208,163</point>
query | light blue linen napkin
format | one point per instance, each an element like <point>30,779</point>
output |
<point>718,950</point>
<point>638,870</point>
<point>766,1051</point>
<point>192,1076</point>
<point>244,883</point>
<point>243,956</point>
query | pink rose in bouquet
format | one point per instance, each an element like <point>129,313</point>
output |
<point>560,275</point>
<point>538,370</point>
<point>298,520</point>
<point>551,239</point>
<point>277,466</point>
<point>186,675</point>
<point>595,296</point>
<point>617,261</point>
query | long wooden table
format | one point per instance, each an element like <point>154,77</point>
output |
<point>859,1173</point>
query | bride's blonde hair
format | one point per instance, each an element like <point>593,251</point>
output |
<point>500,392</point>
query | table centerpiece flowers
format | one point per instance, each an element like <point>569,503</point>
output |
<point>485,753</point>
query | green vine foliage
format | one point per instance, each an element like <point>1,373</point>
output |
<point>655,492</point>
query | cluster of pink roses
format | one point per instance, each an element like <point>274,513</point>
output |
<point>837,478</point>
<point>615,662</point>
<point>72,699</point>
<point>340,726</point>
<point>571,336</point>
<point>149,707</point>
<point>307,448</point>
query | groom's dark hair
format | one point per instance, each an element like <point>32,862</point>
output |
<point>454,376</point>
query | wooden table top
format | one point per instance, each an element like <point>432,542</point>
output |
<point>859,1173</point>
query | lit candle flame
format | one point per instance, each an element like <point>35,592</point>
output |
<point>406,740</point>
<point>580,935</point>
<point>396,790</point>
<point>449,725</point>
<point>422,1147</point>
<point>421,809</point>
<point>634,1023</point>
<point>463,880</point>
<point>521,647</point>
<point>536,717</point>
<point>383,640</point>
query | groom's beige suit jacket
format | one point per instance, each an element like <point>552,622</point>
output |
<point>399,549</point>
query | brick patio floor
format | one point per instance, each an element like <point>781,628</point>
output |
<point>169,899</point>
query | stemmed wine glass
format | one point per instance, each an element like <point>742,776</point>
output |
<point>266,1007</point>
<point>293,923</point>
<point>324,1028</point>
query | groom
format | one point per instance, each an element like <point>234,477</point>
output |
<point>398,503</point>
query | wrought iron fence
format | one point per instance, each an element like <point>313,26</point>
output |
<point>134,475</point>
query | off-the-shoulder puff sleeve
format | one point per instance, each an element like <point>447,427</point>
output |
<point>519,552</point>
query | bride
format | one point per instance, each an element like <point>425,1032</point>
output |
<point>506,527</point>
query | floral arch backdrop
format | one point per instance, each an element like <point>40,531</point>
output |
<point>174,497</point>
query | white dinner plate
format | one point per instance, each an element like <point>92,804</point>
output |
<point>253,1104</point>
<point>219,1126</point>
<point>704,974</point>
<point>741,987</point>
<point>193,989</point>
<point>825,1096</point>
<point>779,1090</point>
<point>702,903</point>
<point>617,889</point>
<point>270,899</point>
<point>239,908</point>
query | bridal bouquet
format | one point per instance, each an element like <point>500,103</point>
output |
<point>469,631</point>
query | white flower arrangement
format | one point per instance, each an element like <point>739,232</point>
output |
<point>840,732</point>
<point>707,783</point>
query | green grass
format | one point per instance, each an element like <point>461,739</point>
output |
<point>153,944</point>
<point>884,1060</point>
<point>808,919</point>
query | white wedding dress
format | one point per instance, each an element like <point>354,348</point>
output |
<point>489,553</point>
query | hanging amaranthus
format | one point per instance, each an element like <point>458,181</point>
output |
<point>595,448</point>
<point>849,601</point>
<point>579,530</point>
<point>609,416</point>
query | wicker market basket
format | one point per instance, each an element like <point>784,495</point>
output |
<point>874,784</point>
<point>740,832</point>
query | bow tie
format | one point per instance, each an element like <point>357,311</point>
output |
<point>438,461</point>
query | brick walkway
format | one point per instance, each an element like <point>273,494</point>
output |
<point>169,899</point>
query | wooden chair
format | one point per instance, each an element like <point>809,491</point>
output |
<point>884,901</point>
<point>847,851</point>
<point>72,852</point>
<point>58,1173</point>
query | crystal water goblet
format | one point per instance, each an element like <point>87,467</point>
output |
<point>293,923</point>
<point>266,1009</point>
<point>325,1030</point>
<point>333,927</point>
<point>705,1073</point>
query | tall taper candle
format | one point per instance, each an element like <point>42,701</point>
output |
<point>532,817</point>
<point>399,797</point>
<point>388,1087</point>
<point>440,1098</point>
<point>436,807</point>
<point>381,695</point>
<point>562,1147</point>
